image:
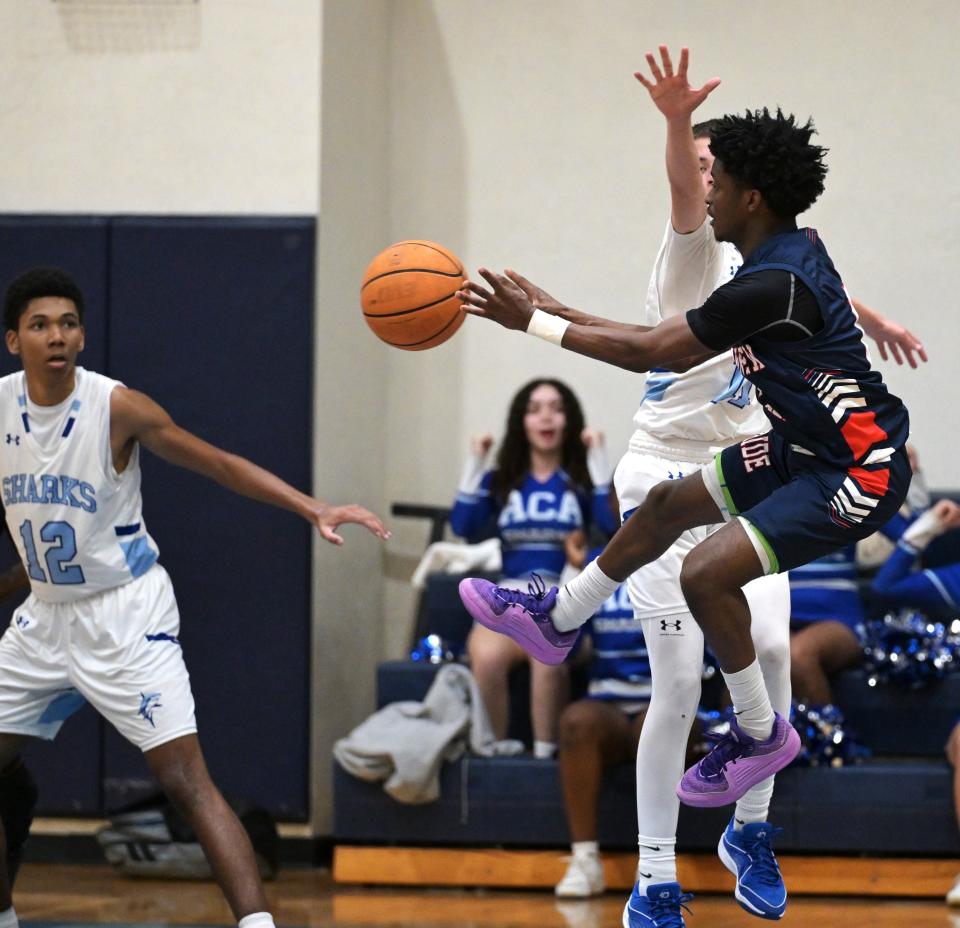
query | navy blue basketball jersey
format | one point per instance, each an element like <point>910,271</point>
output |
<point>820,393</point>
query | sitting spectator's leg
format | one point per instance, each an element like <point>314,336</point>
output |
<point>593,735</point>
<point>492,657</point>
<point>817,652</point>
<point>549,694</point>
<point>953,755</point>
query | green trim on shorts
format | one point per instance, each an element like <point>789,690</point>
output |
<point>727,498</point>
<point>774,563</point>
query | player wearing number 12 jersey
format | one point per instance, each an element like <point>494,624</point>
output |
<point>101,623</point>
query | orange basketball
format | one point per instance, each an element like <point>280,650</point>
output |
<point>409,297</point>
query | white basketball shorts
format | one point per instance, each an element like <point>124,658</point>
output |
<point>655,588</point>
<point>119,650</point>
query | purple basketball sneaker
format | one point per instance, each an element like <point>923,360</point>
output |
<point>737,762</point>
<point>524,617</point>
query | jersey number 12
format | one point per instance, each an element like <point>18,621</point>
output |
<point>63,548</point>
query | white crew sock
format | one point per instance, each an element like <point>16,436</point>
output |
<point>256,920</point>
<point>583,849</point>
<point>658,861</point>
<point>544,750</point>
<point>8,918</point>
<point>751,704</point>
<point>582,597</point>
<point>754,805</point>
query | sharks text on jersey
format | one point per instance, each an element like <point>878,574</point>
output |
<point>54,489</point>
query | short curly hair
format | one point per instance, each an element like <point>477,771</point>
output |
<point>34,284</point>
<point>772,154</point>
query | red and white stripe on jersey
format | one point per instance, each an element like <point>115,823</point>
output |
<point>843,398</point>
<point>858,495</point>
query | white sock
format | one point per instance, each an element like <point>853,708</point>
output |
<point>544,750</point>
<point>582,597</point>
<point>751,704</point>
<point>658,861</point>
<point>754,805</point>
<point>256,920</point>
<point>583,849</point>
<point>8,918</point>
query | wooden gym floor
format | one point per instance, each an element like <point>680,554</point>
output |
<point>66,896</point>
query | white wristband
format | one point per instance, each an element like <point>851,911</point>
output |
<point>598,465</point>
<point>473,469</point>
<point>550,328</point>
<point>922,531</point>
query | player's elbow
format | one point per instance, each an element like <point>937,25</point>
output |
<point>636,358</point>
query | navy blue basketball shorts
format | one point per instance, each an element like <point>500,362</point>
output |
<point>797,508</point>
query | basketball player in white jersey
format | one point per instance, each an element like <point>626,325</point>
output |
<point>684,419</point>
<point>101,623</point>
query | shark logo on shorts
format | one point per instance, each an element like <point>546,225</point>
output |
<point>148,703</point>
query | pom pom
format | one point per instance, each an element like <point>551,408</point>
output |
<point>433,650</point>
<point>825,740</point>
<point>910,650</point>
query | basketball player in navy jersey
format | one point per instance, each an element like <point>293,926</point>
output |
<point>101,622</point>
<point>682,421</point>
<point>832,470</point>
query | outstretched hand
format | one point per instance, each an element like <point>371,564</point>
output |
<point>895,339</point>
<point>505,302</point>
<point>329,518</point>
<point>538,297</point>
<point>671,93</point>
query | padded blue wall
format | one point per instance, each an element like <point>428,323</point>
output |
<point>212,317</point>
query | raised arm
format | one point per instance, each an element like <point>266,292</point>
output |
<point>134,417</point>
<point>676,99</point>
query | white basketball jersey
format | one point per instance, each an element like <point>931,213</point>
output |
<point>75,521</point>
<point>712,405</point>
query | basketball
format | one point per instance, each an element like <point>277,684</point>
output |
<point>409,297</point>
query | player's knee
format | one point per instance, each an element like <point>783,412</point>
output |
<point>773,652</point>
<point>698,579</point>
<point>185,788</point>
<point>680,691</point>
<point>657,505</point>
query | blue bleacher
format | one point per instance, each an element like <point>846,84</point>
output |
<point>890,804</point>
<point>897,802</point>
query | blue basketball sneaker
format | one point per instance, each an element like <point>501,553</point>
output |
<point>748,854</point>
<point>659,907</point>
